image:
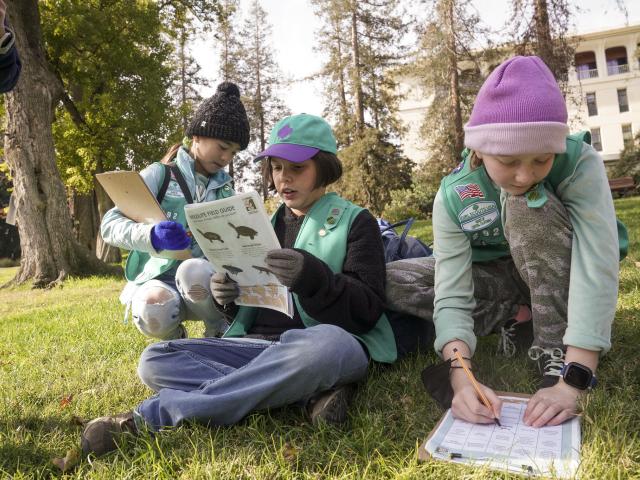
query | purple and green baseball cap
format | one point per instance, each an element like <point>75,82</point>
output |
<point>297,138</point>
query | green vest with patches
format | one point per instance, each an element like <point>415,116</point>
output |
<point>142,266</point>
<point>473,201</point>
<point>324,233</point>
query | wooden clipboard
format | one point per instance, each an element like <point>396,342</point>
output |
<point>424,455</point>
<point>134,199</point>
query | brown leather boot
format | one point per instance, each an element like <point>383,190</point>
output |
<point>331,406</point>
<point>100,435</point>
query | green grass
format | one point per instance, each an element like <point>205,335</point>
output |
<point>71,341</point>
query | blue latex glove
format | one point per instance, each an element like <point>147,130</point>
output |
<point>169,236</point>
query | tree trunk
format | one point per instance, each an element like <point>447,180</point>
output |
<point>259,106</point>
<point>183,79</point>
<point>454,84</point>
<point>344,136</point>
<point>544,42</point>
<point>357,80</point>
<point>105,252</point>
<point>49,251</point>
<point>84,217</point>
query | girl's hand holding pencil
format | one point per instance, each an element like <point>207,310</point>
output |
<point>468,403</point>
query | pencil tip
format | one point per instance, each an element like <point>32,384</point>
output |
<point>498,422</point>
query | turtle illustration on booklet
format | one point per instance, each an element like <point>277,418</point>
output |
<point>235,234</point>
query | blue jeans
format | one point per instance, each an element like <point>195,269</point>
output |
<point>218,381</point>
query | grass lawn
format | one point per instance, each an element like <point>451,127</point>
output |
<point>66,354</point>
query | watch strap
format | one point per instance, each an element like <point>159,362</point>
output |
<point>592,382</point>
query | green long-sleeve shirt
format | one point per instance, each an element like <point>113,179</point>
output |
<point>593,289</point>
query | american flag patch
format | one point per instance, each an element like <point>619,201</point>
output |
<point>470,190</point>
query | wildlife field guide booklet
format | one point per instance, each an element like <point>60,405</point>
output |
<point>235,234</point>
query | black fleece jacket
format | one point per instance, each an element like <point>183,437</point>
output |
<point>352,300</point>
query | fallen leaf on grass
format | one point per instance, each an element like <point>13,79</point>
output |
<point>290,452</point>
<point>66,401</point>
<point>71,459</point>
<point>638,264</point>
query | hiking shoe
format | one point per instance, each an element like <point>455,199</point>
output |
<point>550,362</point>
<point>331,406</point>
<point>515,337</point>
<point>100,435</point>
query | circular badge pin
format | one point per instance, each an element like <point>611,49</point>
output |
<point>322,232</point>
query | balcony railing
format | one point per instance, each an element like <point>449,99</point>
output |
<point>583,74</point>
<point>617,69</point>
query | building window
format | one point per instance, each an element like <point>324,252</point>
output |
<point>586,65</point>
<point>616,60</point>
<point>592,106</point>
<point>623,101</point>
<point>596,140</point>
<point>627,134</point>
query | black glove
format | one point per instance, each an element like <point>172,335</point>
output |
<point>286,264</point>
<point>224,289</point>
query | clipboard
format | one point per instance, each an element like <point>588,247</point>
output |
<point>134,199</point>
<point>512,447</point>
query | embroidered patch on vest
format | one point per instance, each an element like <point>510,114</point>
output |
<point>478,216</point>
<point>173,190</point>
<point>458,167</point>
<point>470,190</point>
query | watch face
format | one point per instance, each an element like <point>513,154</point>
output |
<point>577,376</point>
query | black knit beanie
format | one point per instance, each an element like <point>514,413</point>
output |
<point>222,116</point>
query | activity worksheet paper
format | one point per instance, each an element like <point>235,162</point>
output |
<point>512,446</point>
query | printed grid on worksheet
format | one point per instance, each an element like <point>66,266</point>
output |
<point>512,439</point>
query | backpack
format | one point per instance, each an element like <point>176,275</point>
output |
<point>397,247</point>
<point>169,169</point>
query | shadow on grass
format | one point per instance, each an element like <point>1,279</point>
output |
<point>22,449</point>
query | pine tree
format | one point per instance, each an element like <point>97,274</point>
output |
<point>363,41</point>
<point>186,21</point>
<point>227,40</point>
<point>451,73</point>
<point>332,41</point>
<point>260,82</point>
<point>539,27</point>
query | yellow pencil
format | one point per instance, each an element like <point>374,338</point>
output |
<point>481,395</point>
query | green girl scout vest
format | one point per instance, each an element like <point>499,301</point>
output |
<point>324,234</point>
<point>141,266</point>
<point>473,201</point>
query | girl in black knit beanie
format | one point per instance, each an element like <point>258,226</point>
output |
<point>162,292</point>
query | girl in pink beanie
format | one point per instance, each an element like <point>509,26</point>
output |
<point>525,219</point>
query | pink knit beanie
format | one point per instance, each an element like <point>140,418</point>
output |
<point>518,110</point>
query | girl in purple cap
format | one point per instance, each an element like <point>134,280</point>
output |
<point>526,219</point>
<point>331,259</point>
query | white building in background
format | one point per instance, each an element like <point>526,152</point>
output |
<point>603,94</point>
<point>605,88</point>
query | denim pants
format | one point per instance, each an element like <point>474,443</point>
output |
<point>159,306</point>
<point>218,381</point>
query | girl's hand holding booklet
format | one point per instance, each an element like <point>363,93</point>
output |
<point>235,234</point>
